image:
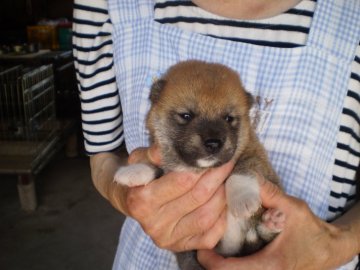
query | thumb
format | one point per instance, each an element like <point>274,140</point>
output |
<point>154,154</point>
<point>271,195</point>
<point>209,258</point>
<point>146,154</point>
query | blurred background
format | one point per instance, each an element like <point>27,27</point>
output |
<point>51,217</point>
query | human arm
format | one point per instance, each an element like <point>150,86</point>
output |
<point>305,243</point>
<point>103,167</point>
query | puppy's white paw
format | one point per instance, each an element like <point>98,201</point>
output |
<point>242,193</point>
<point>244,205</point>
<point>273,220</point>
<point>135,175</point>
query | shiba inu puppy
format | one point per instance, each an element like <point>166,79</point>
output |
<point>200,119</point>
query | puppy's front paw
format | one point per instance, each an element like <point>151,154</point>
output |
<point>273,220</point>
<point>135,175</point>
<point>244,205</point>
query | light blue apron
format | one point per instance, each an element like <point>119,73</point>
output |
<point>307,86</point>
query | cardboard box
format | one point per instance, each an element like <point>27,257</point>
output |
<point>45,35</point>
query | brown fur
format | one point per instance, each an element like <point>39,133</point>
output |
<point>196,107</point>
<point>210,90</point>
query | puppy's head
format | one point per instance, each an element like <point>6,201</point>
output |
<point>199,115</point>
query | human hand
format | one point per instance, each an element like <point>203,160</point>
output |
<point>179,211</point>
<point>306,242</point>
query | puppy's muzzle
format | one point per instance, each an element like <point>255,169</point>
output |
<point>213,146</point>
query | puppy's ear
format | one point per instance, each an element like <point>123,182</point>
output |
<point>156,90</point>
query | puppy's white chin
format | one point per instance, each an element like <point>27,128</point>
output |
<point>206,162</point>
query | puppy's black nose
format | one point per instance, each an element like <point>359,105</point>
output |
<point>213,145</point>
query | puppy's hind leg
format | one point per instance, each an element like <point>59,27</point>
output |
<point>243,195</point>
<point>243,199</point>
<point>271,224</point>
<point>233,238</point>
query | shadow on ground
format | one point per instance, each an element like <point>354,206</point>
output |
<point>72,228</point>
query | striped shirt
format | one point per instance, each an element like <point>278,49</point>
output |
<point>101,111</point>
<point>100,102</point>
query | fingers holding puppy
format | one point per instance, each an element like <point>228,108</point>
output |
<point>180,211</point>
<point>201,228</point>
<point>204,226</point>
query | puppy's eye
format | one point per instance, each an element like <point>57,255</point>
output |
<point>186,116</point>
<point>229,119</point>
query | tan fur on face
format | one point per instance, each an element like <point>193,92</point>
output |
<point>210,91</point>
<point>208,87</point>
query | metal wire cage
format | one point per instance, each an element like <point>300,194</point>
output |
<point>27,104</point>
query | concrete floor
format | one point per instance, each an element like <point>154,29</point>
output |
<point>72,228</point>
